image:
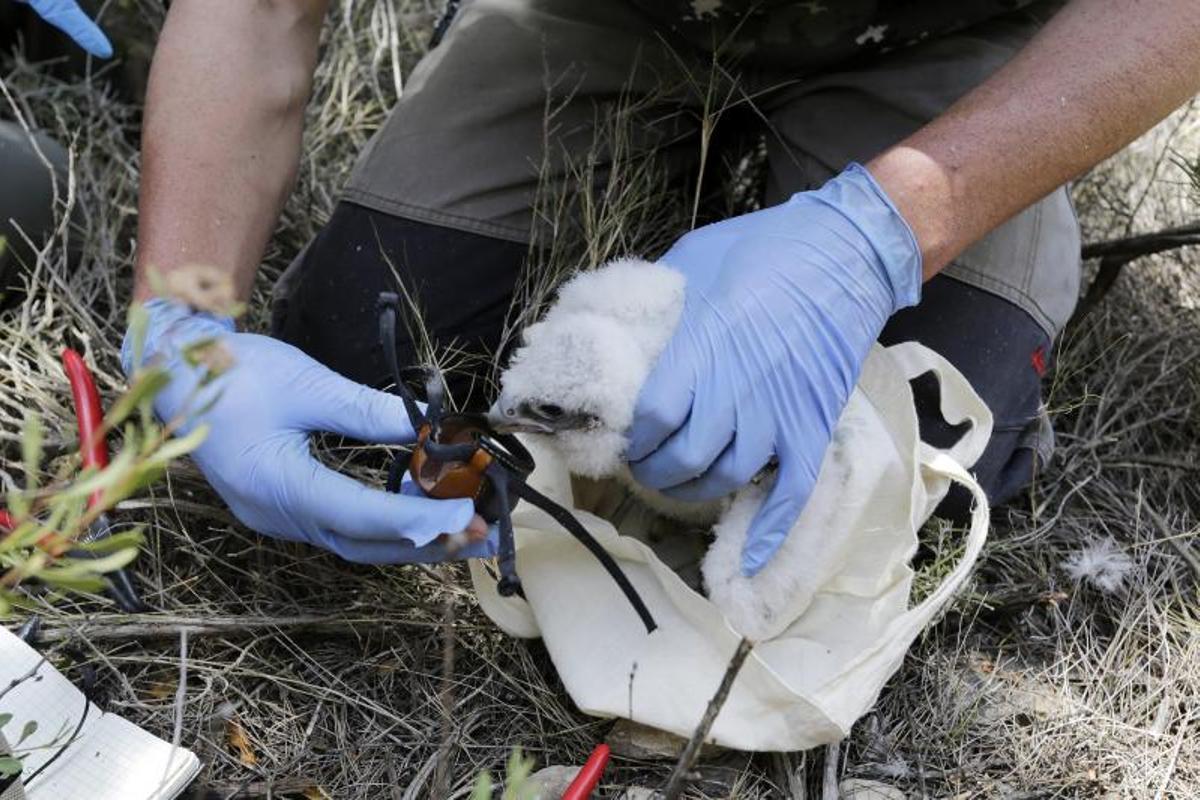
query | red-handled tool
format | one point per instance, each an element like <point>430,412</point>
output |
<point>586,781</point>
<point>93,450</point>
<point>93,453</point>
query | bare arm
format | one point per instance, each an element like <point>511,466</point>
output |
<point>221,136</point>
<point>1099,74</point>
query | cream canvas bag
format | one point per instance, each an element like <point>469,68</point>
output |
<point>820,662</point>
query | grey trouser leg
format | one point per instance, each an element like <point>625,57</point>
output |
<point>26,200</point>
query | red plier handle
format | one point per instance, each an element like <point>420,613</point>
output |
<point>93,452</point>
<point>589,776</point>
<point>93,449</point>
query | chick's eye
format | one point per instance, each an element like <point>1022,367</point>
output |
<point>550,410</point>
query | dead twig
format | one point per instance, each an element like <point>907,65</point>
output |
<point>683,767</point>
<point>1116,253</point>
<point>1175,541</point>
<point>1144,244</point>
<point>109,627</point>
<point>829,781</point>
<point>441,775</point>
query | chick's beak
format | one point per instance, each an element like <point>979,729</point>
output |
<point>506,416</point>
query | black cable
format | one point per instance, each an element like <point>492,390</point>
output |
<point>564,517</point>
<point>89,679</point>
<point>397,469</point>
<point>512,463</point>
<point>509,584</point>
<point>389,303</point>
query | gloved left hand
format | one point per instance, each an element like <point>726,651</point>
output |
<point>260,411</point>
<point>68,17</point>
<point>781,308</point>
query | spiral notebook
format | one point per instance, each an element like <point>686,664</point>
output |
<point>109,758</point>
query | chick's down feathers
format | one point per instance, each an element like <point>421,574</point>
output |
<point>588,358</point>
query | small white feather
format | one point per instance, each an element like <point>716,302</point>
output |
<point>1101,563</point>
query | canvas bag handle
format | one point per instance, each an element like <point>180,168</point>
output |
<point>906,627</point>
<point>959,403</point>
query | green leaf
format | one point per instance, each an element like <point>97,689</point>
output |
<point>119,468</point>
<point>70,568</point>
<point>61,508</point>
<point>147,383</point>
<point>516,782</point>
<point>31,450</point>
<point>17,502</point>
<point>483,787</point>
<point>21,537</point>
<point>9,766</point>
<point>81,583</point>
<point>195,353</point>
<point>131,538</point>
<point>138,325</point>
<point>143,476</point>
<point>29,730</point>
<point>4,720</point>
<point>178,447</point>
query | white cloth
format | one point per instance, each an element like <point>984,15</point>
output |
<point>822,657</point>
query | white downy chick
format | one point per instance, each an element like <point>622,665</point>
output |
<point>578,371</point>
<point>577,376</point>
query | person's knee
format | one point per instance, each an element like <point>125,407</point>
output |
<point>32,168</point>
<point>1007,467</point>
<point>460,282</point>
<point>1002,351</point>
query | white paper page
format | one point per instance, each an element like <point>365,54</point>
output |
<point>47,698</point>
<point>111,759</point>
<point>118,761</point>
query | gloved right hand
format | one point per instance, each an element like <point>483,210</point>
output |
<point>256,454</point>
<point>68,17</point>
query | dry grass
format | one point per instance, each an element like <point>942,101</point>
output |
<point>332,678</point>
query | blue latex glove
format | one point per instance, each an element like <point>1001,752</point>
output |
<point>256,455</point>
<point>68,17</point>
<point>782,306</point>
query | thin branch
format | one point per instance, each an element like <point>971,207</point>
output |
<point>15,682</point>
<point>1179,544</point>
<point>441,775</point>
<point>1114,254</point>
<point>1145,244</point>
<point>111,627</point>
<point>681,774</point>
<point>829,781</point>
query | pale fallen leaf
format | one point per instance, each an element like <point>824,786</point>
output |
<point>239,741</point>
